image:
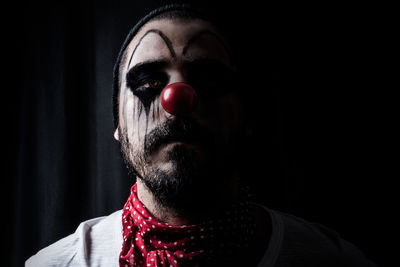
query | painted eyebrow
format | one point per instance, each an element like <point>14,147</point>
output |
<point>197,36</point>
<point>163,36</point>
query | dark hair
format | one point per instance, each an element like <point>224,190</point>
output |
<point>174,12</point>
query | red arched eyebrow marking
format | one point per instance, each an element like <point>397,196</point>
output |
<point>163,36</point>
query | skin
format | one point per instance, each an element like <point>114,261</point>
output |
<point>223,123</point>
<point>152,47</point>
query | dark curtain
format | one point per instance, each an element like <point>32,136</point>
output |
<point>311,150</point>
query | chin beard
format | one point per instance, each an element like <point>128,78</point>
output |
<point>192,187</point>
<point>200,180</point>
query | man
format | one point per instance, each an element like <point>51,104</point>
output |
<point>178,117</point>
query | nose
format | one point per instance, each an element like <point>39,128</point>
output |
<point>179,98</point>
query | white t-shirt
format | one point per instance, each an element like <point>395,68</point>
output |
<point>98,242</point>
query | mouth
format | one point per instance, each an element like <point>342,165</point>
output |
<point>172,141</point>
<point>187,133</point>
<point>177,140</point>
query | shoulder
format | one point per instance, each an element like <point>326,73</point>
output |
<point>95,242</point>
<point>312,244</point>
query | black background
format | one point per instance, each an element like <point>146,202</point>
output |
<point>320,144</point>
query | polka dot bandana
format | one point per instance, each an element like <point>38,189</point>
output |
<point>150,242</point>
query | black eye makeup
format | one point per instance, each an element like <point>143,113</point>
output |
<point>209,77</point>
<point>146,81</point>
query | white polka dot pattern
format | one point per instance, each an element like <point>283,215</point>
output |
<point>149,242</point>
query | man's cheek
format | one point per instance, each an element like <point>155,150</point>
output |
<point>131,117</point>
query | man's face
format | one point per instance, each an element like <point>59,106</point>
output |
<point>175,153</point>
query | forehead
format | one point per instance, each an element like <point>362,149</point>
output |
<point>176,40</point>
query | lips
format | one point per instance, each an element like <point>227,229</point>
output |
<point>154,144</point>
<point>182,130</point>
<point>188,140</point>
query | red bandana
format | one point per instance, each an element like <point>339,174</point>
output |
<point>149,242</point>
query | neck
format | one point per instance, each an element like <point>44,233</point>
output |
<point>171,216</point>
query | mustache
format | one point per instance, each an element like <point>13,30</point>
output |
<point>186,130</point>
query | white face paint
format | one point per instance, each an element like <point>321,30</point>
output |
<point>174,43</point>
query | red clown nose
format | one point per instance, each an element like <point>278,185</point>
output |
<point>179,98</point>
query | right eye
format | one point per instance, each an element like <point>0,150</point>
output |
<point>146,87</point>
<point>143,80</point>
<point>153,84</point>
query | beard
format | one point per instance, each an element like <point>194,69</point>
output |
<point>198,178</point>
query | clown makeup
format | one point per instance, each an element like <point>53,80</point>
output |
<point>170,151</point>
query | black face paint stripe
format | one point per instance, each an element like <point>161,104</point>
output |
<point>144,73</point>
<point>197,36</point>
<point>163,36</point>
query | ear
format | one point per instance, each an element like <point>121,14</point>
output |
<point>116,134</point>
